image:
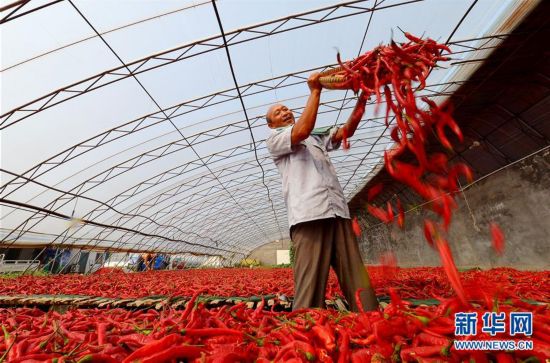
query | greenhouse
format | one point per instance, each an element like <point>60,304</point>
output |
<point>275,181</point>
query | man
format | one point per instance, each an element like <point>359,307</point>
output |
<point>148,259</point>
<point>319,219</point>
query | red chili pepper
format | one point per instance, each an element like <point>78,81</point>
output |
<point>427,351</point>
<point>541,350</point>
<point>430,339</point>
<point>323,356</point>
<point>478,357</point>
<point>498,238</point>
<point>377,84</point>
<point>446,120</point>
<point>296,347</point>
<point>39,357</point>
<point>461,169</point>
<point>389,104</point>
<point>174,352</point>
<point>504,358</point>
<point>344,348</point>
<point>389,208</point>
<point>400,214</point>
<point>209,332</point>
<point>362,355</point>
<point>413,38</point>
<point>345,142</point>
<point>430,232</point>
<point>374,191</point>
<point>97,358</point>
<point>450,269</point>
<point>379,213</point>
<point>101,333</point>
<point>364,341</point>
<point>154,347</point>
<point>325,336</point>
<point>356,227</point>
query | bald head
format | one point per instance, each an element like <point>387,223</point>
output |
<point>279,116</point>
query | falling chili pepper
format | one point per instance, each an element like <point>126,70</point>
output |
<point>356,227</point>
<point>379,213</point>
<point>400,214</point>
<point>429,232</point>
<point>498,238</point>
<point>374,191</point>
<point>450,268</point>
<point>345,142</point>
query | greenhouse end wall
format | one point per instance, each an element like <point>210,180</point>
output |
<point>516,198</point>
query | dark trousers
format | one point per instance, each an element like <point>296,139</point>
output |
<point>319,245</point>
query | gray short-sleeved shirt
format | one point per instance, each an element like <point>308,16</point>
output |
<point>310,185</point>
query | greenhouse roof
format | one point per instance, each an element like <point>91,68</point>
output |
<point>136,126</point>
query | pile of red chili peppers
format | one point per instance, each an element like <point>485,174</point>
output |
<point>400,332</point>
<point>396,333</point>
<point>412,283</point>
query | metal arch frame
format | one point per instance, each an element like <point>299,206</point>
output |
<point>20,3</point>
<point>245,212</point>
<point>157,198</point>
<point>185,52</point>
<point>112,30</point>
<point>60,199</point>
<point>184,138</point>
<point>152,245</point>
<point>165,150</point>
<point>72,242</point>
<point>50,213</point>
<point>79,188</point>
<point>253,139</point>
<point>208,195</point>
<point>280,204</point>
<point>227,235</point>
<point>102,204</point>
<point>198,218</point>
<point>194,210</point>
<point>247,192</point>
<point>137,124</point>
<point>155,118</point>
<point>263,212</point>
<point>71,152</point>
<point>247,234</point>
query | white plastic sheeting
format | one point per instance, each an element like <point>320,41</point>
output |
<point>156,153</point>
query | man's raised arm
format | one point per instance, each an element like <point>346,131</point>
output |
<point>302,128</point>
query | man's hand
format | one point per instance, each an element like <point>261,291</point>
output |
<point>313,82</point>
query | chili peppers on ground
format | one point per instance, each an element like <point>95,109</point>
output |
<point>419,283</point>
<point>398,332</point>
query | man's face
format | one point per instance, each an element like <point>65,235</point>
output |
<point>279,116</point>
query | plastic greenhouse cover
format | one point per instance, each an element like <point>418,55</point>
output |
<point>162,158</point>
